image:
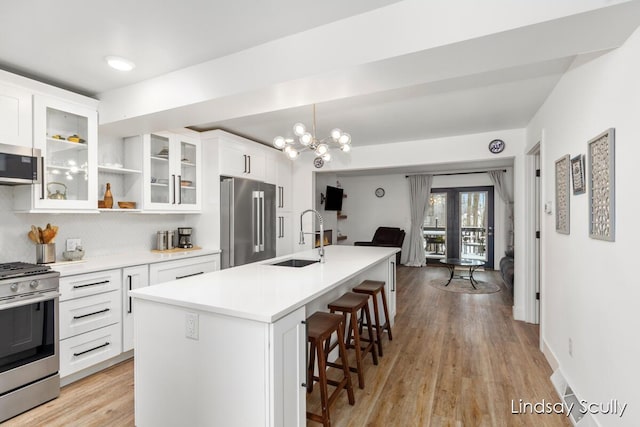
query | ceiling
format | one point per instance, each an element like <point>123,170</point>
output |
<point>410,88</point>
<point>64,42</point>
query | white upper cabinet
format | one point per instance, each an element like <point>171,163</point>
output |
<point>283,183</point>
<point>242,160</point>
<point>172,172</point>
<point>15,116</point>
<point>66,133</point>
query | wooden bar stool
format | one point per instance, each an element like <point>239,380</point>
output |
<point>320,327</point>
<point>373,288</point>
<point>349,304</point>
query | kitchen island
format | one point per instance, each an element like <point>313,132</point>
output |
<point>229,347</point>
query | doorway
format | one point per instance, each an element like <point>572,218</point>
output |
<point>460,224</point>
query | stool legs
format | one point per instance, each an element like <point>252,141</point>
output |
<point>324,325</point>
<point>373,288</point>
<point>387,324</point>
<point>351,317</point>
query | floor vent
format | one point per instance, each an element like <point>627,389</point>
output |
<point>577,416</point>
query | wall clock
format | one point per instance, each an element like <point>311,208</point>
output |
<point>496,146</point>
<point>379,192</point>
<point>318,162</point>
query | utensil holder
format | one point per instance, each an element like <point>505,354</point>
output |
<point>45,253</point>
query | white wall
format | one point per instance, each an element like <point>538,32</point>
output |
<point>366,212</point>
<point>590,289</point>
<point>330,218</point>
<point>438,151</point>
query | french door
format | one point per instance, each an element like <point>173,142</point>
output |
<point>459,224</point>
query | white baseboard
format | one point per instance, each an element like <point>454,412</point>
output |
<point>552,360</point>
<point>518,313</point>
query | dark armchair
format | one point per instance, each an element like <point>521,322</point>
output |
<point>390,237</point>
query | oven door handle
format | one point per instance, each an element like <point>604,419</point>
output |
<point>26,301</point>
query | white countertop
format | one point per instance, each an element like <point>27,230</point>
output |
<point>265,292</point>
<point>107,262</point>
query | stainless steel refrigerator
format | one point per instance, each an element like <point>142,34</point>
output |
<point>247,221</point>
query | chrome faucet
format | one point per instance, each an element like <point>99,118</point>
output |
<point>302,233</point>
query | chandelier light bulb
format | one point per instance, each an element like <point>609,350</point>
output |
<point>345,138</point>
<point>346,148</point>
<point>306,138</point>
<point>322,149</point>
<point>279,142</point>
<point>292,153</point>
<point>326,157</point>
<point>336,133</point>
<point>299,129</point>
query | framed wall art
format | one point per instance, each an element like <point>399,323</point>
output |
<point>577,174</point>
<point>600,158</point>
<point>563,194</point>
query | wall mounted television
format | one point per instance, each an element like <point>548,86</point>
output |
<point>333,201</point>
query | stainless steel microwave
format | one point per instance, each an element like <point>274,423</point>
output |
<point>19,165</point>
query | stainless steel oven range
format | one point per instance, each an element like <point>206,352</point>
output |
<point>29,337</point>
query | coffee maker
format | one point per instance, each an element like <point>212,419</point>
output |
<point>184,237</point>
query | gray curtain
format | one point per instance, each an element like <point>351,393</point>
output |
<point>419,191</point>
<point>498,178</point>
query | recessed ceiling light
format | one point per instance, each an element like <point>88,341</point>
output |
<point>119,63</point>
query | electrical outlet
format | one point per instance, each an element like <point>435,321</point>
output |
<point>72,244</point>
<point>570,347</point>
<point>191,326</point>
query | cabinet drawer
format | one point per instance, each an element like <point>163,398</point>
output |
<point>83,285</point>
<point>85,314</point>
<point>176,270</point>
<point>85,350</point>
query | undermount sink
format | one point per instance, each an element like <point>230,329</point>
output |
<point>296,262</point>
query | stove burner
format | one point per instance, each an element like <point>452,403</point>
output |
<point>21,269</point>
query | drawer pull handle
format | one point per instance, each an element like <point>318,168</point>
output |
<point>91,314</point>
<point>90,284</point>
<point>91,349</point>
<point>189,275</point>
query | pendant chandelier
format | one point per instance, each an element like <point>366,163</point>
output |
<point>308,141</point>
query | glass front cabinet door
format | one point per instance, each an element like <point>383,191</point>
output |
<point>172,173</point>
<point>67,135</point>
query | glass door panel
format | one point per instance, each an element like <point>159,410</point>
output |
<point>188,177</point>
<point>66,159</point>
<point>474,223</point>
<point>435,226</point>
<point>160,172</point>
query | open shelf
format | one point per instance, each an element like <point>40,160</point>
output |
<point>122,171</point>
<point>119,210</point>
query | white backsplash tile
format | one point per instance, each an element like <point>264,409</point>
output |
<point>101,234</point>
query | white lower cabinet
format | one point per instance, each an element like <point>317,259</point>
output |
<point>288,345</point>
<point>132,278</point>
<point>81,315</point>
<point>88,349</point>
<point>97,315</point>
<point>90,316</point>
<point>180,269</point>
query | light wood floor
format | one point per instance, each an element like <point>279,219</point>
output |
<point>456,360</point>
